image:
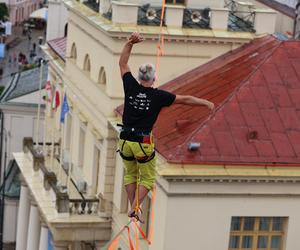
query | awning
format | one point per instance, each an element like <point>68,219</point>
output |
<point>40,14</point>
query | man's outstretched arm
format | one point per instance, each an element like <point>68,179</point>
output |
<point>193,101</point>
<point>124,58</point>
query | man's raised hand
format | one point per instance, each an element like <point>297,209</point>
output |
<point>135,38</point>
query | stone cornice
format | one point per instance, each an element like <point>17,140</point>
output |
<point>121,31</point>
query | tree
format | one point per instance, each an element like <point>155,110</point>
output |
<point>3,11</point>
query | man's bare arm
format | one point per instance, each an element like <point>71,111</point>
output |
<point>124,58</point>
<point>193,101</point>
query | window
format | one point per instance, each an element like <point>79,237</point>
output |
<point>257,233</point>
<point>73,51</point>
<point>81,147</point>
<point>102,76</point>
<point>175,1</point>
<point>96,168</point>
<point>68,130</point>
<point>87,64</point>
<point>66,30</point>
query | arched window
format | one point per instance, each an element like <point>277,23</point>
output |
<point>102,76</point>
<point>87,64</point>
<point>73,51</point>
<point>66,30</point>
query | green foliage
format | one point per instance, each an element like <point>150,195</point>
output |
<point>3,11</point>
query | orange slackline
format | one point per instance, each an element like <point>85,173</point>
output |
<point>114,243</point>
<point>161,43</point>
<point>140,230</point>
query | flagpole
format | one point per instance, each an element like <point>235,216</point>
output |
<point>39,104</point>
<point>44,136</point>
<point>64,111</point>
<point>61,151</point>
<point>70,166</point>
<point>52,145</point>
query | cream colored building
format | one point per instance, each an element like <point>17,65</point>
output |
<point>285,20</point>
<point>91,206</point>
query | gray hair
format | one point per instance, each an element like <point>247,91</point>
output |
<point>147,72</point>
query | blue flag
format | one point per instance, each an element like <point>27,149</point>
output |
<point>64,109</point>
<point>2,50</point>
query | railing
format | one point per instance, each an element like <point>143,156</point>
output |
<point>92,4</point>
<point>196,18</point>
<point>87,206</point>
<point>47,147</point>
<point>240,20</point>
<point>63,202</point>
<point>148,15</point>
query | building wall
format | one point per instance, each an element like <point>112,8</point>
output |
<point>207,215</point>
<point>297,28</point>
<point>19,122</point>
<point>12,122</point>
<point>284,24</point>
<point>57,16</point>
<point>10,220</point>
<point>104,51</point>
<point>30,98</point>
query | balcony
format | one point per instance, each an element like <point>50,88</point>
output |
<point>236,15</point>
<point>245,17</point>
<point>63,206</point>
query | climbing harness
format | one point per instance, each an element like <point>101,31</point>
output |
<point>134,135</point>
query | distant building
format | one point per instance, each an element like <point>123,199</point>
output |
<point>20,11</point>
<point>19,106</point>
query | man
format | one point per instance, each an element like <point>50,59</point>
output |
<point>142,106</point>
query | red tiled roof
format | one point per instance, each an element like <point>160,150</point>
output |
<point>256,89</point>
<point>59,46</point>
<point>284,9</point>
<point>257,92</point>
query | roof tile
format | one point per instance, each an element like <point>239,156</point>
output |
<point>295,97</point>
<point>225,144</point>
<point>289,118</point>
<point>294,137</point>
<point>282,145</point>
<point>251,114</point>
<point>262,96</point>
<point>272,120</point>
<point>265,148</point>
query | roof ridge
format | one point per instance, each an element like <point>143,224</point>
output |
<point>230,96</point>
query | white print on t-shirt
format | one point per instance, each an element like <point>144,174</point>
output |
<point>140,102</point>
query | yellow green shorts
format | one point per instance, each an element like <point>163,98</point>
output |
<point>146,170</point>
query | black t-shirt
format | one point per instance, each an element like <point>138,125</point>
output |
<point>142,104</point>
